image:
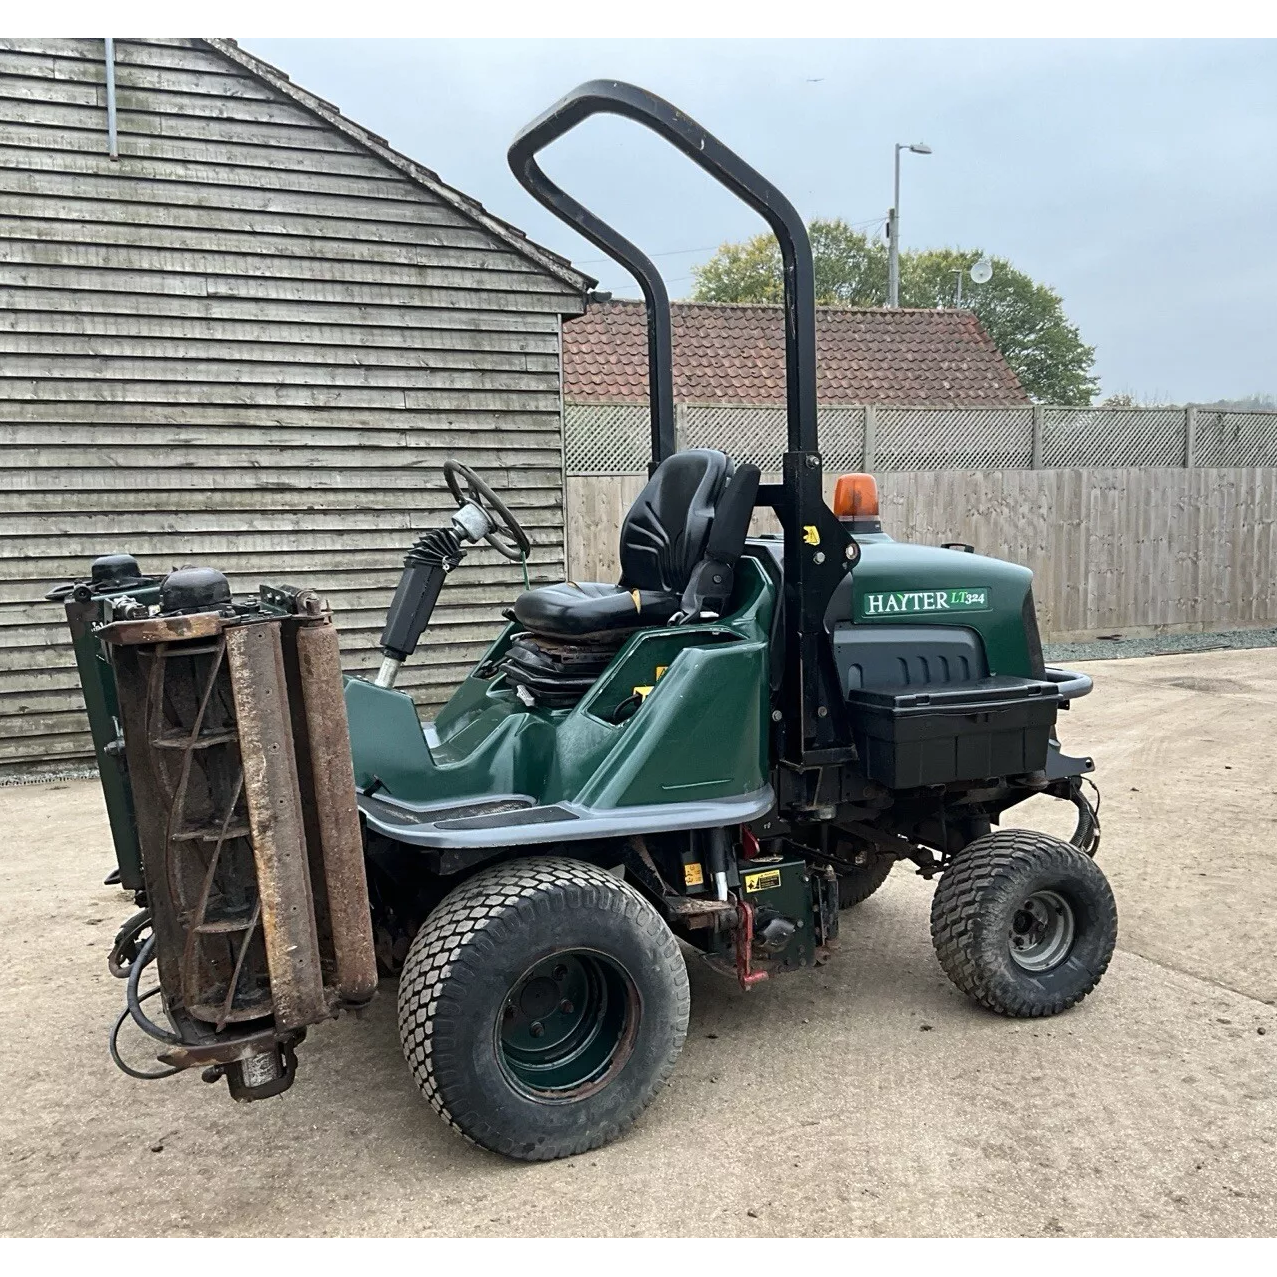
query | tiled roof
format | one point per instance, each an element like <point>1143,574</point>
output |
<point>736,354</point>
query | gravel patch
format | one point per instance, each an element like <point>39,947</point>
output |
<point>1163,645</point>
<point>44,777</point>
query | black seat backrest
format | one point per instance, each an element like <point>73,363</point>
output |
<point>665,533</point>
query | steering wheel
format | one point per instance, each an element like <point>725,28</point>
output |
<point>468,489</point>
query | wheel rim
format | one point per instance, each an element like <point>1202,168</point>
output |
<point>1042,931</point>
<point>567,1026</point>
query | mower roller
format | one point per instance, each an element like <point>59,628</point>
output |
<point>727,748</point>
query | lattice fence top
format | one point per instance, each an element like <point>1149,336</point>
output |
<point>606,438</point>
<point>1233,439</point>
<point>1091,437</point>
<point>614,439</point>
<point>759,434</point>
<point>952,439</point>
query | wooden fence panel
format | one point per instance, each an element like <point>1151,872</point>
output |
<point>1114,550</point>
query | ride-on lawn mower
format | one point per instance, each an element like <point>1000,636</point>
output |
<point>727,748</point>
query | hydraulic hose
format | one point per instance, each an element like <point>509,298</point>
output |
<point>133,1005</point>
<point>134,1001</point>
<point>1086,837</point>
<point>113,1042</point>
<point>124,950</point>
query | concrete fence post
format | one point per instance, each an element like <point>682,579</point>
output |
<point>1190,435</point>
<point>680,425</point>
<point>870,457</point>
<point>1035,446</point>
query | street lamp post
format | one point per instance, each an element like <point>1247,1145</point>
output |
<point>893,259</point>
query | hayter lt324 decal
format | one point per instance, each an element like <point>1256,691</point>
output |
<point>916,602</point>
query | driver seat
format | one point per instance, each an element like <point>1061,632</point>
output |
<point>679,546</point>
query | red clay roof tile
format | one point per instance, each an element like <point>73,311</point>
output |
<point>736,354</point>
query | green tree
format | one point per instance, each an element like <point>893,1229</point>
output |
<point>851,269</point>
<point>1025,319</point>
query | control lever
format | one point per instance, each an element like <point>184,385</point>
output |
<point>426,567</point>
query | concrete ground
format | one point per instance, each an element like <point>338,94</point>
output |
<point>865,1098</point>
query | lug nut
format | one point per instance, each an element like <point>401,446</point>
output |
<point>566,1007</point>
<point>560,971</point>
<point>536,1028</point>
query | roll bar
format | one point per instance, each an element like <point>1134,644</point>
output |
<point>614,97</point>
<point>809,715</point>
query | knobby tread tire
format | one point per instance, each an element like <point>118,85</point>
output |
<point>465,936</point>
<point>860,885</point>
<point>969,917</point>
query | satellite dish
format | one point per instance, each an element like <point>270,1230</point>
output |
<point>982,271</point>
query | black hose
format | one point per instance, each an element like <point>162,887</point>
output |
<point>1086,837</point>
<point>124,950</point>
<point>114,1046</point>
<point>134,1002</point>
<point>627,708</point>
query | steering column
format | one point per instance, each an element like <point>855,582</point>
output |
<point>480,516</point>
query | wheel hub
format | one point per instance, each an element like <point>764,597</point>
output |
<point>1042,931</point>
<point>539,997</point>
<point>567,1026</point>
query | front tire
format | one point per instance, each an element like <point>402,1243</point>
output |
<point>542,1006</point>
<point>1024,923</point>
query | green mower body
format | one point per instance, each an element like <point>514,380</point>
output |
<point>729,746</point>
<point>697,749</point>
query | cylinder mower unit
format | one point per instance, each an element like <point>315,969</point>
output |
<point>244,847</point>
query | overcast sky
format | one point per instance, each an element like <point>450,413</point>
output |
<point>1138,179</point>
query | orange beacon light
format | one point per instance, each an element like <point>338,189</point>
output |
<point>856,497</point>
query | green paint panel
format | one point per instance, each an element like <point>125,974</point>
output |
<point>783,887</point>
<point>101,703</point>
<point>979,593</point>
<point>702,731</point>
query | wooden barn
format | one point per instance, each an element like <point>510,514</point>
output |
<point>238,329</point>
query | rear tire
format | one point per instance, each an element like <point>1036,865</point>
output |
<point>542,1006</point>
<point>859,884</point>
<point>1024,923</point>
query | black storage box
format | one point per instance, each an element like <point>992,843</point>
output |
<point>965,731</point>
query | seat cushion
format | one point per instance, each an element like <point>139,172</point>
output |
<point>575,608</point>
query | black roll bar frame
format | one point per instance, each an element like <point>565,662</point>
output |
<point>811,718</point>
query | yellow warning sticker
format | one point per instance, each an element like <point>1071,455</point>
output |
<point>644,690</point>
<point>811,534</point>
<point>764,881</point>
<point>692,875</point>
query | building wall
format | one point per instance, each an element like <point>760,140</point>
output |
<point>250,343</point>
